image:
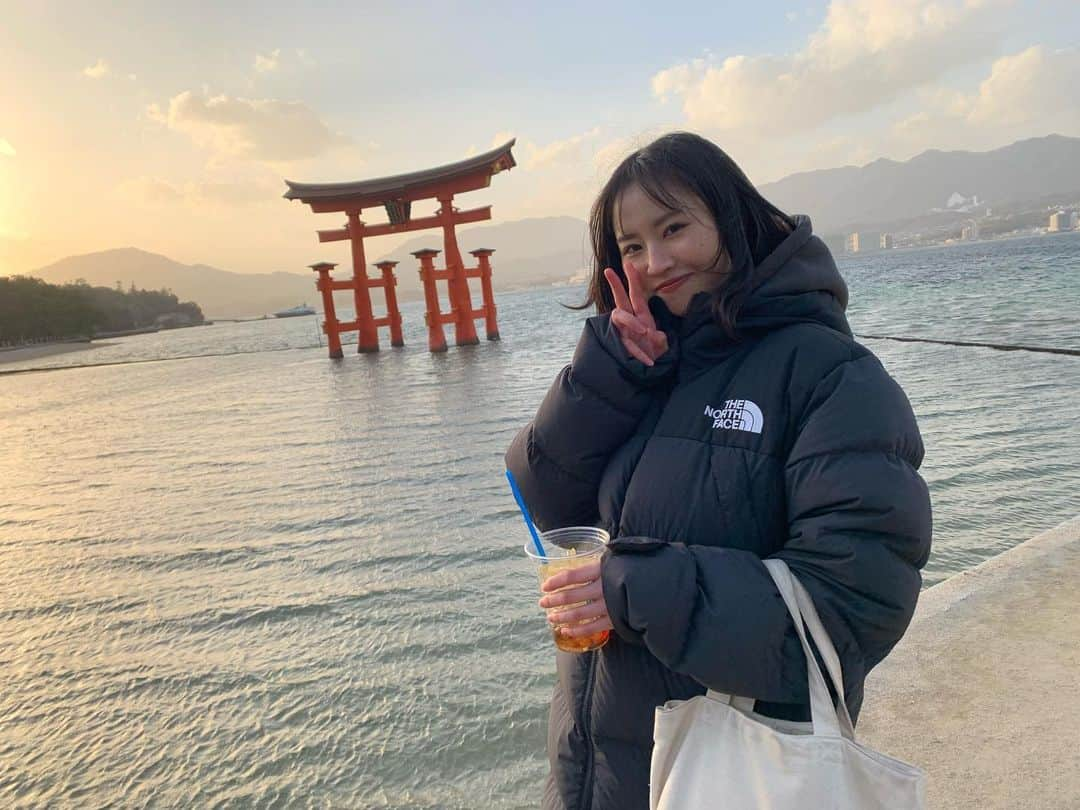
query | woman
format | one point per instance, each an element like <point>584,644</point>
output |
<point>716,412</point>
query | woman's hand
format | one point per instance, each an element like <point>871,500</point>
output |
<point>632,317</point>
<point>586,587</point>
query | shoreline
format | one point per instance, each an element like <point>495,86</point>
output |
<point>22,354</point>
<point>980,692</point>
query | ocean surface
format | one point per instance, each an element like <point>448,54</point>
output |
<point>234,573</point>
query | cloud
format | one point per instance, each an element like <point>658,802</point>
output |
<point>866,54</point>
<point>1030,93</point>
<point>556,153</point>
<point>97,70</point>
<point>259,129</point>
<point>1033,85</point>
<point>233,192</point>
<point>266,64</point>
<point>6,149</point>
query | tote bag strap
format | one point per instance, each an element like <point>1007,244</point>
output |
<point>828,652</point>
<point>827,720</point>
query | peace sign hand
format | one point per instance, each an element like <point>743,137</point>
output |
<point>632,317</point>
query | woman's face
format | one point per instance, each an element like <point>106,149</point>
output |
<point>674,250</point>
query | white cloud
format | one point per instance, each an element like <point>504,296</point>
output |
<point>567,150</point>
<point>867,53</point>
<point>552,155</point>
<point>97,70</point>
<point>259,129</point>
<point>266,64</point>
<point>6,149</point>
<point>1030,93</point>
<point>1033,85</point>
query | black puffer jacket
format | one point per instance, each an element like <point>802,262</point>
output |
<point>792,442</point>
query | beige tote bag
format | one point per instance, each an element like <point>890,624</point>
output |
<point>714,751</point>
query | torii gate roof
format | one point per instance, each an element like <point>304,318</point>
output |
<point>465,175</point>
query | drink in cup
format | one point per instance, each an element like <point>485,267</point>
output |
<point>569,548</point>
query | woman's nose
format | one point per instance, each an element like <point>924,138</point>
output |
<point>659,260</point>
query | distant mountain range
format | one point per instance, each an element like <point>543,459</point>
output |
<point>886,191</point>
<point>221,294</point>
<point>546,250</point>
<point>527,253</point>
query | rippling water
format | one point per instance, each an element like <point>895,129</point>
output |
<point>267,579</point>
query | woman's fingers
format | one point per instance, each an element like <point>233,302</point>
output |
<point>634,350</point>
<point>579,630</point>
<point>586,602</point>
<point>628,323</point>
<point>618,291</point>
<point>638,300</point>
<point>578,575</point>
<point>632,317</point>
<point>657,342</point>
<point>576,614</point>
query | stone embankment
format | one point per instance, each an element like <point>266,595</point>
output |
<point>984,690</point>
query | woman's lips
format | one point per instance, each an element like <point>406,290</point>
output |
<point>674,284</point>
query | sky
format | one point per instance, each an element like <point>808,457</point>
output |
<point>171,126</point>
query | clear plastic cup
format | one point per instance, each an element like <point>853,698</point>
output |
<point>568,548</point>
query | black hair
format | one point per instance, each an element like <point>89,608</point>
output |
<point>750,227</point>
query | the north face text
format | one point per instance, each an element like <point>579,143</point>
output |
<point>737,414</point>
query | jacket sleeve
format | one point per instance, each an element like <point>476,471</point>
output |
<point>591,409</point>
<point>859,531</point>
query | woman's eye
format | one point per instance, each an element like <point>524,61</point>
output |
<point>629,249</point>
<point>673,227</point>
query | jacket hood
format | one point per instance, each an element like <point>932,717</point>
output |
<point>796,283</point>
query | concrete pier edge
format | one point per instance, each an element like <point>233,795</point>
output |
<point>983,691</point>
<point>938,598</point>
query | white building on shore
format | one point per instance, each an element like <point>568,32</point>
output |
<point>1059,222</point>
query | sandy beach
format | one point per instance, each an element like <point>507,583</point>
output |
<point>24,353</point>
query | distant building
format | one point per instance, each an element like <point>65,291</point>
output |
<point>886,241</point>
<point>863,242</point>
<point>1074,220</point>
<point>1059,222</point>
<point>970,232</point>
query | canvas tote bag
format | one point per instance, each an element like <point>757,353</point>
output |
<point>715,751</point>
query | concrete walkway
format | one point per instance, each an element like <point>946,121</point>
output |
<point>984,690</point>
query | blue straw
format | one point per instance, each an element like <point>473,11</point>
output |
<point>525,514</point>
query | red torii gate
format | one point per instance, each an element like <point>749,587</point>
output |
<point>396,195</point>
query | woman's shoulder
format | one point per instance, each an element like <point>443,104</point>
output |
<point>809,350</point>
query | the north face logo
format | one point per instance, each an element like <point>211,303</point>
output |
<point>737,414</point>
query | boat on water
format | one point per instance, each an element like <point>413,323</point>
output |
<point>293,312</point>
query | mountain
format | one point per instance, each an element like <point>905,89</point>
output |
<point>219,293</point>
<point>528,252</point>
<point>887,191</point>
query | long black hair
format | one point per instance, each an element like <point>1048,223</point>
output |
<point>750,227</point>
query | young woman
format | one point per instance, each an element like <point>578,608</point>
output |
<point>716,412</point>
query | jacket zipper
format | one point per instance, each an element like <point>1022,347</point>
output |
<point>586,787</point>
